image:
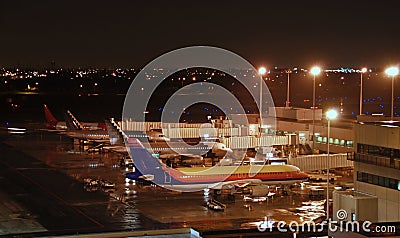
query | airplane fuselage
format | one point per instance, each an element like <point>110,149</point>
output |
<point>215,177</point>
<point>190,179</point>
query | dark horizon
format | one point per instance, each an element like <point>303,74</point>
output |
<point>127,34</point>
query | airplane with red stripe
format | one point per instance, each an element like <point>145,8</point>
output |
<point>218,177</point>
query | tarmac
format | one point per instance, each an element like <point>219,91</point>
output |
<point>43,194</point>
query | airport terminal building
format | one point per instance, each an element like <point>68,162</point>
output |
<point>376,195</point>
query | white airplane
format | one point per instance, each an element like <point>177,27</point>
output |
<point>164,149</point>
<point>76,130</point>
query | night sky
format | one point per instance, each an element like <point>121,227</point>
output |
<point>131,33</point>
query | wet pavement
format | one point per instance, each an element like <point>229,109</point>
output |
<point>43,191</point>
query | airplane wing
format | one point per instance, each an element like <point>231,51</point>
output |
<point>256,187</point>
<point>237,183</point>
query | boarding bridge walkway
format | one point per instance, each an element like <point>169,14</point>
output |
<point>242,142</point>
<point>234,138</point>
<point>309,163</point>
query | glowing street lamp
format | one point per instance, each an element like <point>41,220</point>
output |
<point>314,71</point>
<point>392,71</point>
<point>362,71</point>
<point>330,115</point>
<point>261,71</point>
<point>287,104</point>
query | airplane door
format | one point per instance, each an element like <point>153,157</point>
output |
<point>167,177</point>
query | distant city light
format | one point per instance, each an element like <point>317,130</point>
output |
<point>315,70</point>
<point>392,71</point>
<point>364,70</point>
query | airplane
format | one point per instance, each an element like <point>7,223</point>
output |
<point>165,149</point>
<point>148,168</point>
<point>54,124</point>
<point>76,130</point>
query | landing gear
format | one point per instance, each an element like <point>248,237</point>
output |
<point>285,189</point>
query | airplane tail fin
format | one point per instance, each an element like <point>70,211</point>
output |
<point>151,169</point>
<point>50,119</point>
<point>71,122</point>
<point>143,161</point>
<point>142,158</point>
<point>117,136</point>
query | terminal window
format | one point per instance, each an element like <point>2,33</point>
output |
<point>378,180</point>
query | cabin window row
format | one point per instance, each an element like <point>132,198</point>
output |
<point>182,148</point>
<point>226,175</point>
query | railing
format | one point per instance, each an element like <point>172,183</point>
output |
<point>374,159</point>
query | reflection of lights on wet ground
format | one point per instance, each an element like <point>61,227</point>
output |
<point>132,218</point>
<point>129,191</point>
<point>308,212</point>
<point>95,165</point>
<point>14,130</point>
<point>258,198</point>
<point>302,186</point>
<point>206,194</point>
<point>311,210</point>
<point>254,199</point>
<point>129,182</point>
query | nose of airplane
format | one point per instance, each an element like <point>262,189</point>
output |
<point>304,175</point>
